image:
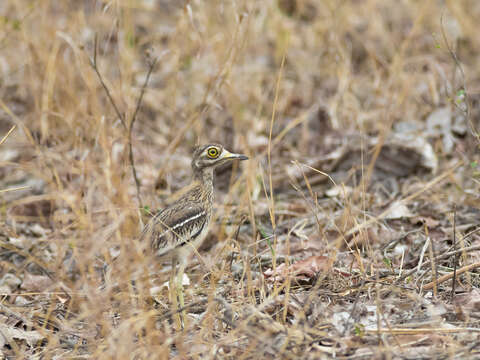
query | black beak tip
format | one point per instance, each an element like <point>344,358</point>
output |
<point>243,157</point>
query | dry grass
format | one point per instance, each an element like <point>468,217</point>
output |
<point>360,121</point>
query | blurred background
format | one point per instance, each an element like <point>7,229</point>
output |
<point>360,118</point>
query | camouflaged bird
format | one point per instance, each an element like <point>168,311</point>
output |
<point>185,223</point>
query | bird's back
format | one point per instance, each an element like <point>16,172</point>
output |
<point>182,224</point>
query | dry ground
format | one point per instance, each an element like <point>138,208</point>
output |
<point>338,239</point>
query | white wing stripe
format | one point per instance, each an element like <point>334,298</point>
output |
<point>200,214</point>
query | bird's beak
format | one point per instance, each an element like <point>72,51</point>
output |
<point>230,156</point>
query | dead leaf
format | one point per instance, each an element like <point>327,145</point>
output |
<point>301,270</point>
<point>36,282</point>
<point>398,210</point>
<point>9,334</point>
<point>414,147</point>
<point>470,302</point>
<point>33,208</point>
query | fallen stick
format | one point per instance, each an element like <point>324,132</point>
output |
<point>446,277</point>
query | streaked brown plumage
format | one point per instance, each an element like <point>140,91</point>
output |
<point>182,226</point>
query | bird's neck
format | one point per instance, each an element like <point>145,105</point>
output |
<point>204,176</point>
<point>203,186</point>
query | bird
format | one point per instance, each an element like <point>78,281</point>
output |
<point>180,228</point>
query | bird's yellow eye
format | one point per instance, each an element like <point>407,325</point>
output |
<point>213,153</point>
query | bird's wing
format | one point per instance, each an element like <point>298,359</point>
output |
<point>175,226</point>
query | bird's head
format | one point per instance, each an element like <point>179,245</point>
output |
<point>211,156</point>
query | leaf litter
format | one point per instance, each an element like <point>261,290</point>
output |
<point>374,176</point>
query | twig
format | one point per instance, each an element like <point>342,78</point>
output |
<point>471,233</point>
<point>170,314</point>
<point>444,278</point>
<point>7,134</point>
<point>15,188</point>
<point>443,256</point>
<point>412,331</point>
<point>93,63</point>
<point>242,220</point>
<point>142,92</point>
<point>454,56</point>
<point>271,205</point>
<point>130,127</point>
<point>433,263</point>
<point>422,254</point>
<point>352,313</point>
<point>454,278</point>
